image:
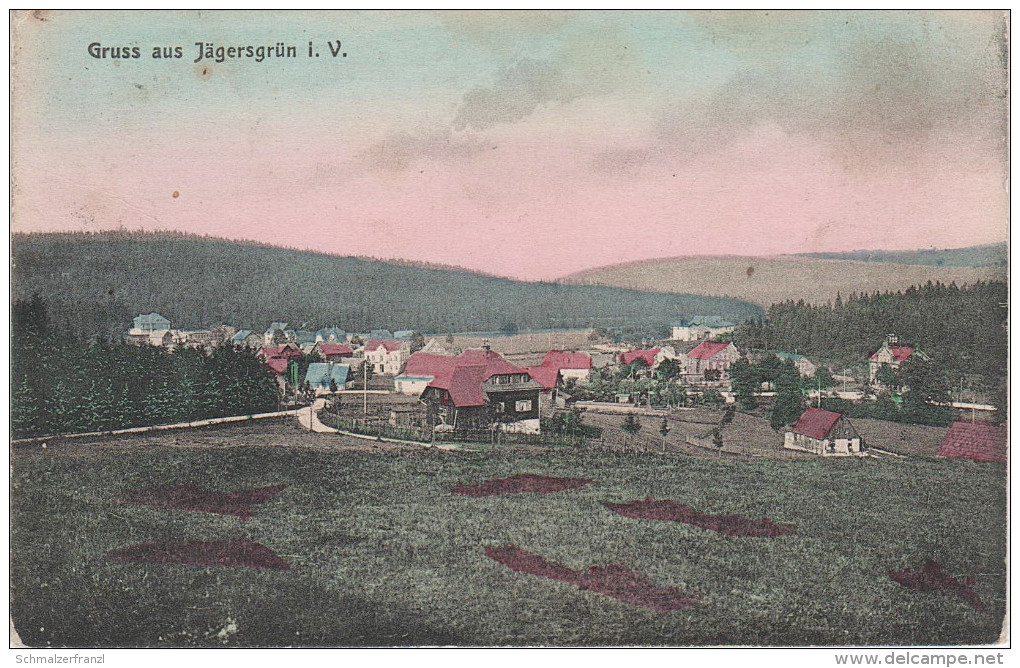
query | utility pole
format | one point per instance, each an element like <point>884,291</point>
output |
<point>364,395</point>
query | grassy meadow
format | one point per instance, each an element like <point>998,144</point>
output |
<point>382,553</point>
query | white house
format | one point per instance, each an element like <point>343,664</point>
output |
<point>891,354</point>
<point>387,356</point>
<point>806,367</point>
<point>702,327</point>
<point>825,433</point>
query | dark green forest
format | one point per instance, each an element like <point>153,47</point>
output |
<point>986,255</point>
<point>963,330</point>
<point>63,385</point>
<point>96,283</point>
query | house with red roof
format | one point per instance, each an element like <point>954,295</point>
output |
<point>891,355</point>
<point>387,356</point>
<point>647,356</point>
<point>979,441</point>
<point>712,355</point>
<point>478,389</point>
<point>421,369</point>
<point>286,351</point>
<point>333,352</point>
<point>825,433</point>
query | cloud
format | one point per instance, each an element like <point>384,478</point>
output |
<point>518,91</point>
<point>403,149</point>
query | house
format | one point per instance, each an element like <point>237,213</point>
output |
<point>330,335</point>
<point>701,327</point>
<point>979,441</point>
<point>320,375</point>
<point>275,335</point>
<point>712,356</point>
<point>333,352</point>
<point>387,356</point>
<point>404,334</point>
<point>197,338</point>
<point>891,355</point>
<point>572,366</point>
<point>479,389</point>
<point>421,369</point>
<point>278,365</point>
<point>246,338</point>
<point>803,364</point>
<point>825,433</point>
<point>150,329</point>
<point>304,338</point>
<point>286,351</point>
<point>631,356</point>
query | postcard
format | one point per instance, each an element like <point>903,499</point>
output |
<point>507,329</point>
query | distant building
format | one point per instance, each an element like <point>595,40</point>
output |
<point>321,374</point>
<point>387,356</point>
<point>304,338</point>
<point>333,352</point>
<point>979,441</point>
<point>824,433</point>
<point>276,334</point>
<point>647,356</point>
<point>150,329</point>
<point>803,364</point>
<point>404,334</point>
<point>701,327</point>
<point>246,338</point>
<point>331,335</point>
<point>712,355</point>
<point>379,334</point>
<point>286,351</point>
<point>572,366</point>
<point>891,355</point>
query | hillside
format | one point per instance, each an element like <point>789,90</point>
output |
<point>95,283</point>
<point>770,280</point>
<point>986,255</point>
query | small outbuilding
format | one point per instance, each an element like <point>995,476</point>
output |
<point>825,433</point>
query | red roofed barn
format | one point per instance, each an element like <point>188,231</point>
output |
<point>824,433</point>
<point>980,441</point>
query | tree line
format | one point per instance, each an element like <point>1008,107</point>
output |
<point>68,385</point>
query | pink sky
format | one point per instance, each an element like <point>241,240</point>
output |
<point>538,168</point>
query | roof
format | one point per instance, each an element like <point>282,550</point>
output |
<point>647,355</point>
<point>544,375</point>
<point>796,357</point>
<point>465,386</point>
<point>277,365</point>
<point>304,336</point>
<point>320,373</point>
<point>707,349</point>
<point>705,321</point>
<point>380,334</point>
<point>331,333</point>
<point>241,336</point>
<point>404,334</point>
<point>899,353</point>
<point>980,441</point>
<point>287,350</point>
<point>429,364</point>
<point>560,359</point>
<point>335,349</point>
<point>150,319</point>
<point>277,325</point>
<point>389,344</point>
<point>816,422</point>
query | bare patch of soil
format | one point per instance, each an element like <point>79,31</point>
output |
<point>193,497</point>
<point>931,577</point>
<point>727,525</point>
<point>619,581</point>
<point>233,552</point>
<point>520,484</point>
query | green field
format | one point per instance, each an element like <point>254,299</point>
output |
<point>381,553</point>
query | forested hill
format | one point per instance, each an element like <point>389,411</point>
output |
<point>985,255</point>
<point>94,284</point>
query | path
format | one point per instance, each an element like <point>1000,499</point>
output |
<point>309,418</point>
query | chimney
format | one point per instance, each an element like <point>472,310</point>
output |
<point>485,345</point>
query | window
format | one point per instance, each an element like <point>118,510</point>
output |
<point>500,407</point>
<point>523,406</point>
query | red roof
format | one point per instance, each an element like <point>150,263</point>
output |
<point>980,441</point>
<point>331,349</point>
<point>561,359</point>
<point>707,349</point>
<point>465,386</point>
<point>647,355</point>
<point>448,375</point>
<point>389,344</point>
<point>277,365</point>
<point>816,423</point>
<point>899,353</point>
<point>544,375</point>
<point>285,351</point>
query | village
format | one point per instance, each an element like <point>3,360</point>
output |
<point>694,392</point>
